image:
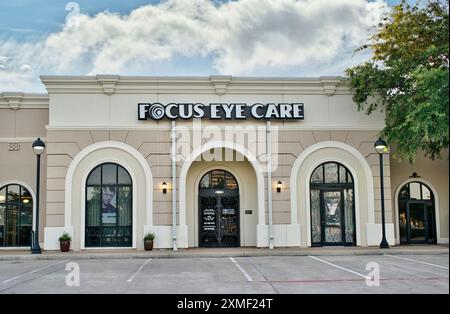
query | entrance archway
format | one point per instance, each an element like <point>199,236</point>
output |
<point>249,174</point>
<point>218,210</point>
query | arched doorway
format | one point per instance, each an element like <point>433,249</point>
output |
<point>218,210</point>
<point>332,205</point>
<point>417,221</point>
<point>16,216</point>
<point>108,219</point>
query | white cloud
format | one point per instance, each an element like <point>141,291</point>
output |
<point>245,37</point>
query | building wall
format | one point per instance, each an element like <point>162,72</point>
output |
<point>433,173</point>
<point>89,120</point>
<point>22,120</point>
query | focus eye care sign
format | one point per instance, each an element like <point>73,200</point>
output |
<point>173,111</point>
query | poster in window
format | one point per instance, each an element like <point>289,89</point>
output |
<point>109,210</point>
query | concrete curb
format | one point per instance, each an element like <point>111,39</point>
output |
<point>221,254</point>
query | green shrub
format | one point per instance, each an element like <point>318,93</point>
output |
<point>149,236</point>
<point>65,237</point>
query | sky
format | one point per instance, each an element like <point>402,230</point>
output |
<point>182,37</point>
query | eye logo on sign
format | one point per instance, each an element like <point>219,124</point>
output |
<point>173,111</point>
<point>156,111</point>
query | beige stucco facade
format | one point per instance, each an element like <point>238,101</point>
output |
<point>87,121</point>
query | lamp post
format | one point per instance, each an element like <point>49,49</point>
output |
<point>38,149</point>
<point>381,148</point>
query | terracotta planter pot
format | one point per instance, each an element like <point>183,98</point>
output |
<point>148,245</point>
<point>64,246</point>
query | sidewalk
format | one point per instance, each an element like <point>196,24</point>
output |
<point>223,252</point>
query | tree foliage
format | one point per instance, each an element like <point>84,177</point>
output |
<point>407,77</point>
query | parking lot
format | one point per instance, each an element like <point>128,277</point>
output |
<point>255,275</point>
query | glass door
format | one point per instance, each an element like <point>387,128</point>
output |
<point>431,224</point>
<point>420,223</point>
<point>218,210</point>
<point>219,221</point>
<point>209,220</point>
<point>332,206</point>
<point>332,224</point>
<point>229,221</point>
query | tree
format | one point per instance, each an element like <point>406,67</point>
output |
<point>407,77</point>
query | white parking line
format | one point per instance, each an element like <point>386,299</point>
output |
<point>417,261</point>
<point>30,272</point>
<point>247,276</point>
<point>139,269</point>
<point>342,268</point>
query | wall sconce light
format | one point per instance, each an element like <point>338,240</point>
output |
<point>414,175</point>
<point>279,185</point>
<point>164,187</point>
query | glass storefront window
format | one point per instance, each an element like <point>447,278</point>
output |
<point>16,216</point>
<point>417,222</point>
<point>108,207</point>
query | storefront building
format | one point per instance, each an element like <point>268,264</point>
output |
<point>214,161</point>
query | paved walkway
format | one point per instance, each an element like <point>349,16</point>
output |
<point>223,252</point>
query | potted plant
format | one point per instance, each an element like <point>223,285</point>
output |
<point>148,241</point>
<point>64,242</point>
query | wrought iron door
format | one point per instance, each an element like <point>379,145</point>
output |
<point>219,221</point>
<point>332,206</point>
<point>219,211</point>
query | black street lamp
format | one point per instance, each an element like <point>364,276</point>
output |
<point>381,148</point>
<point>38,149</point>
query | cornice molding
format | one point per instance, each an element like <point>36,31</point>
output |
<point>216,84</point>
<point>315,127</point>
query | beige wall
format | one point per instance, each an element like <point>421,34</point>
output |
<point>434,173</point>
<point>154,145</point>
<point>63,147</point>
<point>81,112</point>
<point>22,127</point>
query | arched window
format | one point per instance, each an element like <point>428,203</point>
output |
<point>416,214</point>
<point>108,207</point>
<point>332,205</point>
<point>16,216</point>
